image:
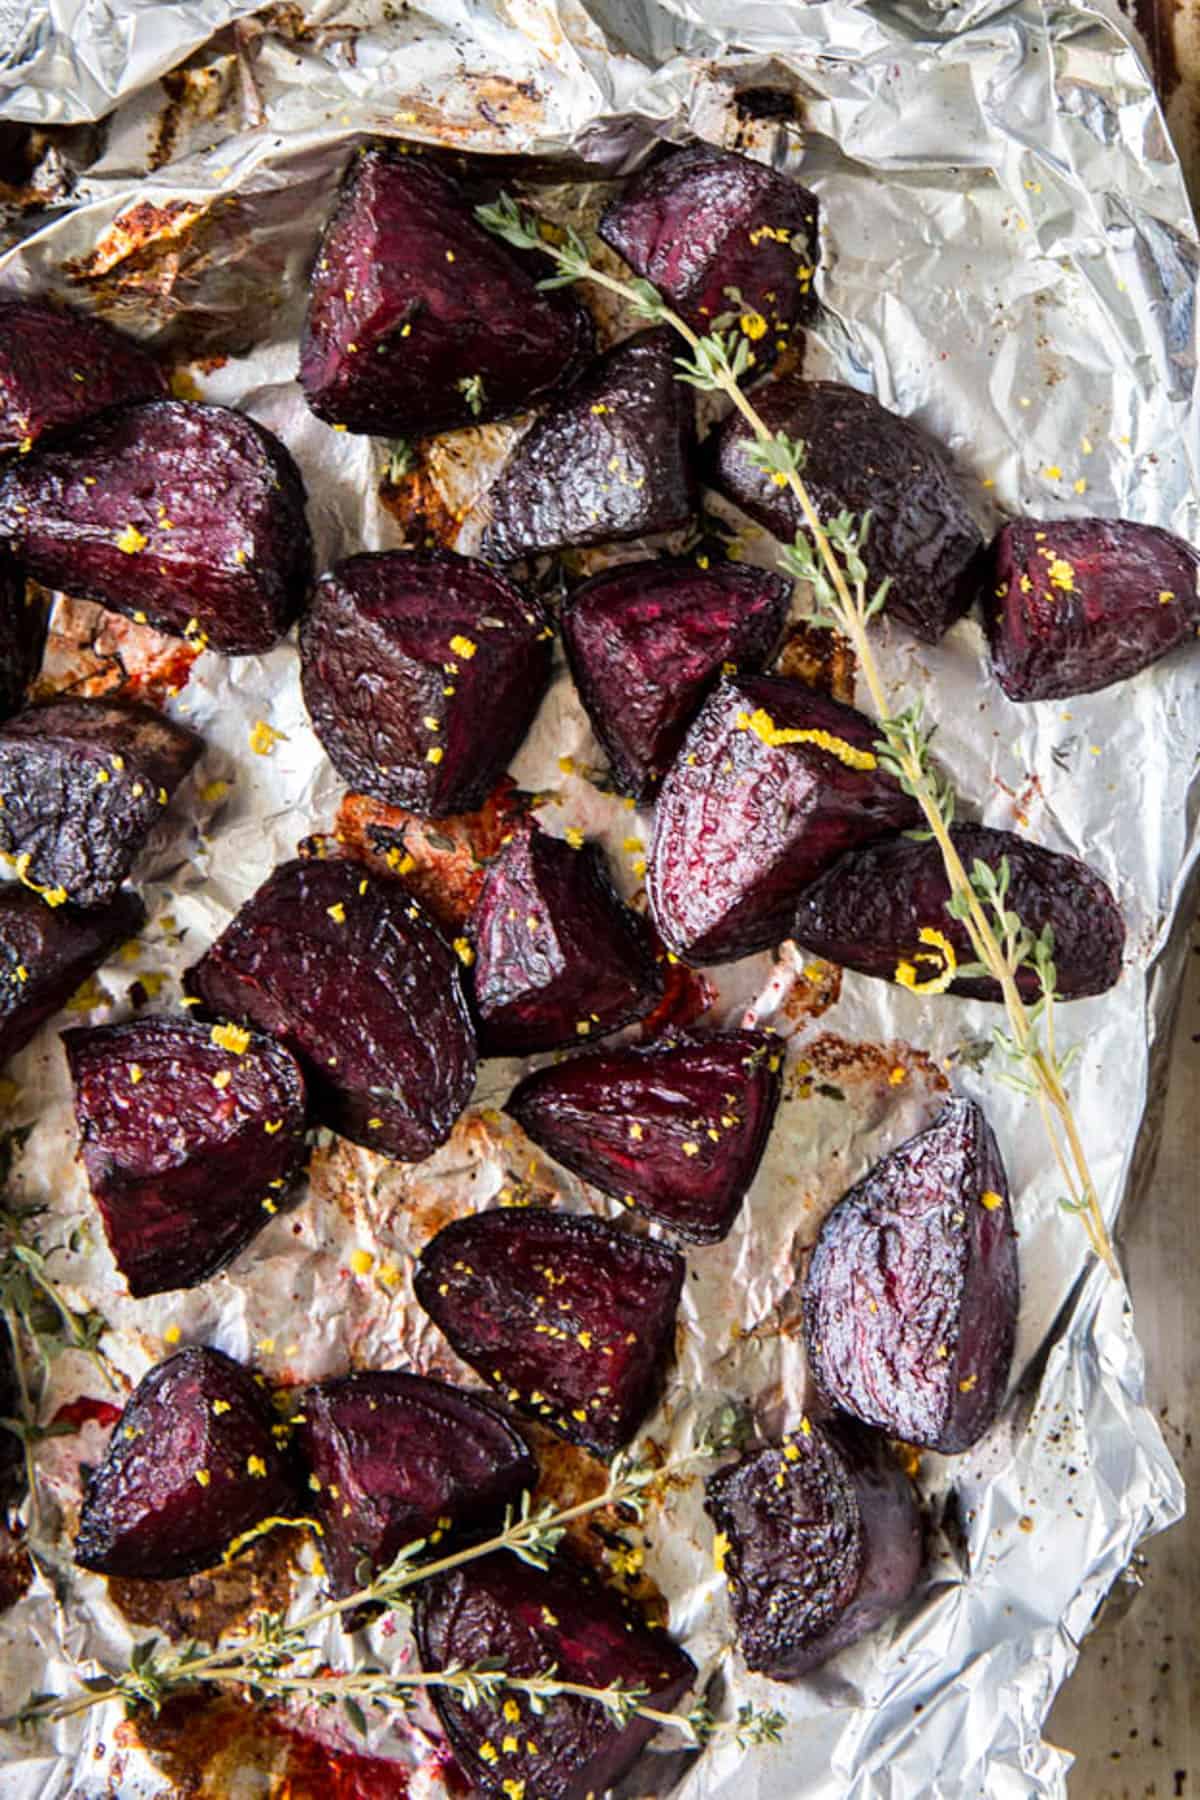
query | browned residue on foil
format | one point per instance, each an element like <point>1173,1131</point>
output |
<point>817,987</point>
<point>820,659</point>
<point>844,1061</point>
<point>687,996</point>
<point>416,503</point>
<point>195,95</point>
<point>91,651</point>
<point>203,1606</point>
<point>440,860</point>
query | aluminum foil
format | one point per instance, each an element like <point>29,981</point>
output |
<point>1008,256</point>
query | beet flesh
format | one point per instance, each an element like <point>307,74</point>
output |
<point>569,1318</point>
<point>868,911</point>
<point>746,818</point>
<point>186,1144</point>
<point>421,321</point>
<point>558,958</point>
<point>531,1622</point>
<point>862,458</point>
<point>186,517</point>
<point>82,783</point>
<point>677,1130</point>
<point>23,617</point>
<point>346,969</point>
<point>820,1542</point>
<point>46,952</point>
<point>700,221</point>
<point>191,1464</point>
<point>422,672</point>
<point>610,460</point>
<point>1073,605</point>
<point>57,366</point>
<point>398,1457</point>
<point>647,641</point>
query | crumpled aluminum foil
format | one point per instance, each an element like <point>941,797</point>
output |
<point>1008,255</point>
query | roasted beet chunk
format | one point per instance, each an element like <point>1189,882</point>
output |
<point>608,461</point>
<point>570,1318</point>
<point>189,1138</point>
<point>910,1301</point>
<point>558,958</point>
<point>500,1612</point>
<point>646,642</point>
<point>186,517</point>
<point>1074,605</point>
<point>349,972</point>
<point>191,1464</point>
<point>399,1457</point>
<point>418,319</point>
<point>58,365</point>
<point>869,911</point>
<point>860,457</point>
<point>422,673</point>
<point>773,782</point>
<point>820,1540</point>
<point>46,952</point>
<point>22,635</point>
<point>699,221</point>
<point>82,783</point>
<point>677,1129</point>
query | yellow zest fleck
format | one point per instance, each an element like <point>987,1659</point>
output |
<point>988,481</point>
<point>230,1037</point>
<point>1165,597</point>
<point>990,1200</point>
<point>374,1124</point>
<point>266,1346</point>
<point>906,973</point>
<point>172,1334</point>
<point>220,1406</point>
<point>203,1477</point>
<point>1052,472</point>
<point>403,862</point>
<point>362,1262</point>
<point>549,1617</point>
<point>805,1427</point>
<point>599,408</point>
<point>271,1126</point>
<point>102,775</point>
<point>449,256</point>
<point>463,646</point>
<point>1062,575</point>
<point>754,325</point>
<point>264,737</point>
<point>135,1073</point>
<point>512,1711</point>
<point>464,951</point>
<point>139,788</point>
<point>1026,584</point>
<point>513,1790</point>
<point>389,1274</point>
<point>965,1387</point>
<point>488,1752</point>
<point>720,1551</point>
<point>222,1079</point>
<point>635,1130</point>
<point>337,912</point>
<point>790,1453</point>
<point>430,723</point>
<point>256,1466</point>
<point>574,837</point>
<point>583,1026</point>
<point>898,1075</point>
<point>1081,485</point>
<point>691,1149</point>
<point>131,541</point>
<point>510,1745</point>
<point>213,791</point>
<point>435,755</point>
<point>763,726</point>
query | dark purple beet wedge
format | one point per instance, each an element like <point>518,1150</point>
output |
<point>82,783</point>
<point>1076,604</point>
<point>419,320</point>
<point>348,971</point>
<point>23,616</point>
<point>190,1138</point>
<point>500,1612</point>
<point>397,1457</point>
<point>46,952</point>
<point>676,1129</point>
<point>647,641</point>
<point>186,517</point>
<point>862,458</point>
<point>422,672</point>
<point>910,1300</point>
<point>820,1540</point>
<point>191,1464</point>
<point>869,911</point>
<point>699,222</point>
<point>570,1319</point>
<point>610,460</point>
<point>772,783</point>
<point>558,958</point>
<point>58,365</point>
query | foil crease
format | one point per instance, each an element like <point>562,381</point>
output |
<point>1008,255</point>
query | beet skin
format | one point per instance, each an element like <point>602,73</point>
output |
<point>348,971</point>
<point>646,642</point>
<point>186,517</point>
<point>23,618</point>
<point>57,366</point>
<point>571,1319</point>
<point>46,952</point>
<point>422,672</point>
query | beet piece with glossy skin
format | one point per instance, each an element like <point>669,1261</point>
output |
<point>748,815</point>
<point>397,1456</point>
<point>700,221</point>
<point>23,617</point>
<point>863,458</point>
<point>349,972</point>
<point>57,366</point>
<point>186,1143</point>
<point>910,1299</point>
<point>646,642</point>
<point>501,1612</point>
<point>868,911</point>
<point>821,1543</point>
<point>558,958</point>
<point>46,952</point>
<point>610,460</point>
<point>571,1319</point>
<point>82,784</point>
<point>191,1464</point>
<point>421,321</point>
<point>1073,605</point>
<point>422,672</point>
<point>186,517</point>
<point>676,1129</point>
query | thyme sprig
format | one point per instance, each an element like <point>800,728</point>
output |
<point>829,555</point>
